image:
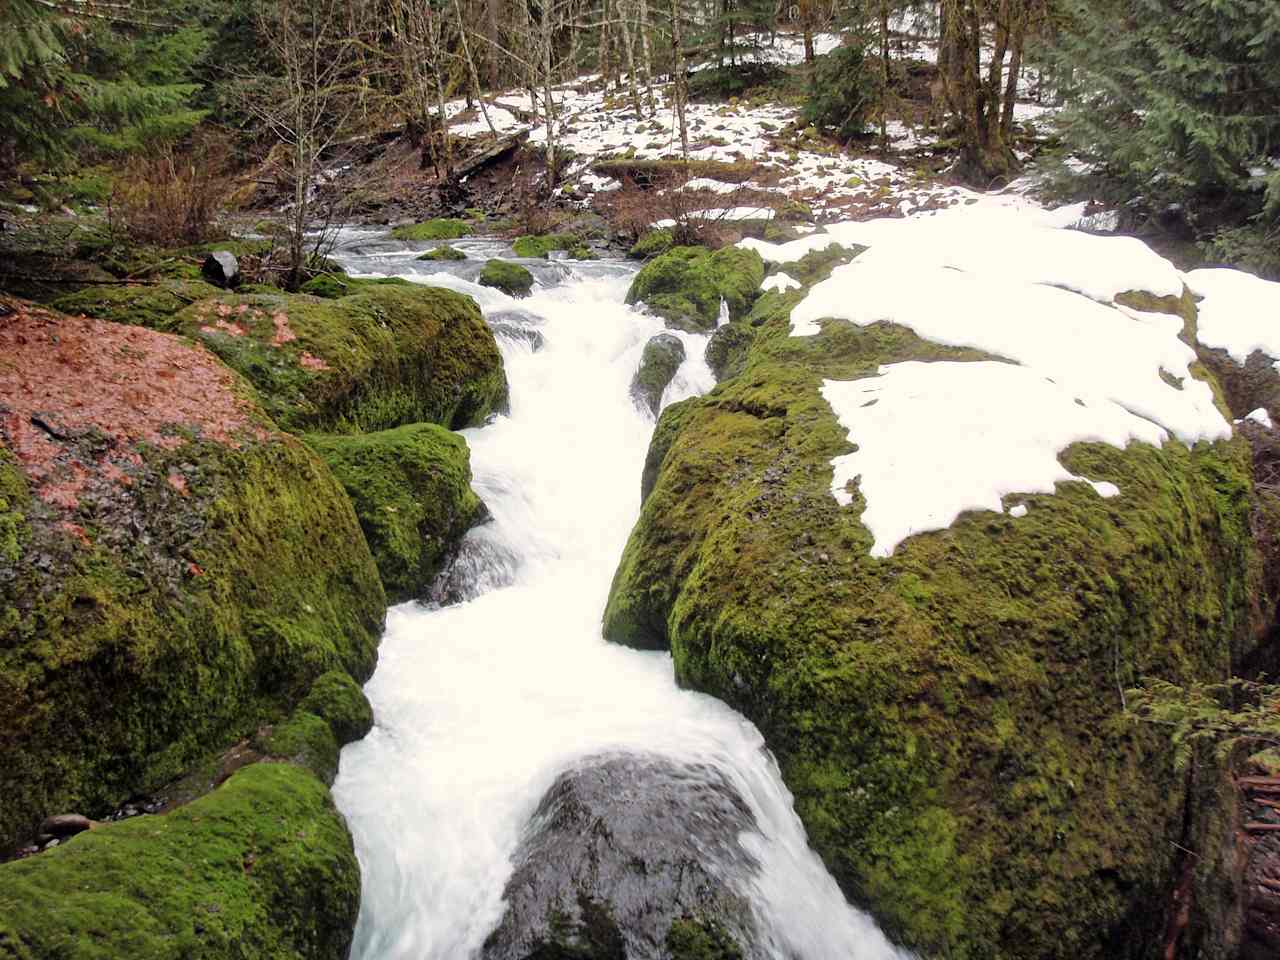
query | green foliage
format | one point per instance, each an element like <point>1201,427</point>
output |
<point>443,229</point>
<point>511,278</point>
<point>843,92</point>
<point>1254,246</point>
<point>1178,109</point>
<point>261,867</point>
<point>70,80</point>
<point>411,488</point>
<point>1225,714</point>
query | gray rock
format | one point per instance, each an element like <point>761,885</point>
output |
<point>620,848</point>
<point>222,269</point>
<point>513,332</point>
<point>662,357</point>
<point>65,825</point>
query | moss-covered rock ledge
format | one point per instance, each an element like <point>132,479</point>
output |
<point>174,571</point>
<point>949,717</point>
<point>411,488</point>
<point>388,355</point>
<point>261,867</point>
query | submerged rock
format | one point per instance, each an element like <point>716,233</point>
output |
<point>625,855</point>
<point>174,570</point>
<point>411,488</point>
<point>445,228</point>
<point>685,285</point>
<point>388,355</point>
<point>727,349</point>
<point>947,714</point>
<point>662,357</point>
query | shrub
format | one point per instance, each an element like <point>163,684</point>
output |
<point>172,198</point>
<point>843,92</point>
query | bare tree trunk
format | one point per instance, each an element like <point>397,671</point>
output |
<point>678,75</point>
<point>628,50</point>
<point>806,22</point>
<point>646,54</point>
<point>545,43</point>
<point>1018,35</point>
<point>884,77</point>
<point>471,67</point>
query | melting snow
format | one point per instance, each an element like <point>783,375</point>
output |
<point>936,439</point>
<point>1259,416</point>
<point>1240,313</point>
<point>780,282</point>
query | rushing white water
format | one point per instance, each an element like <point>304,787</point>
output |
<point>479,706</point>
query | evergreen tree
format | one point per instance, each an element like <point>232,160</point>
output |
<point>75,75</point>
<point>1176,102</point>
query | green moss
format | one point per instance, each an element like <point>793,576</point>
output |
<point>536,246</point>
<point>261,867</point>
<point>334,286</point>
<point>411,488</point>
<point>153,305</point>
<point>727,349</point>
<point>444,252</point>
<point>304,739</point>
<point>691,939</point>
<point>386,356</point>
<point>685,285</point>
<point>443,229</point>
<point>511,278</point>
<point>182,620</point>
<point>340,702</point>
<point>652,244</point>
<point>947,718</point>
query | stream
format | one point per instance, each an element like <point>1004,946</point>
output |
<point>480,705</point>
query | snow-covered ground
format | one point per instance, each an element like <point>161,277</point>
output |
<point>595,124</point>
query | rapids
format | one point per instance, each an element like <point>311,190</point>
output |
<point>480,705</point>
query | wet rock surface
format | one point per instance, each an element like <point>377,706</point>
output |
<point>620,849</point>
<point>662,357</point>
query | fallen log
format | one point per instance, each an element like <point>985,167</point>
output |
<point>489,155</point>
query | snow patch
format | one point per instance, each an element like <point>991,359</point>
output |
<point>1240,313</point>
<point>781,282</point>
<point>990,429</point>
<point>1259,416</point>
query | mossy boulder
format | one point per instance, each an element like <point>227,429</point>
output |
<point>261,867</point>
<point>661,359</point>
<point>444,252</point>
<point>691,938</point>
<point>511,278</point>
<point>332,285</point>
<point>541,245</point>
<point>653,243</point>
<point>411,488</point>
<point>152,305</point>
<point>685,285</point>
<point>441,229</point>
<point>176,571</point>
<point>386,356</point>
<point>949,719</point>
<point>727,349</point>
<point>339,701</point>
